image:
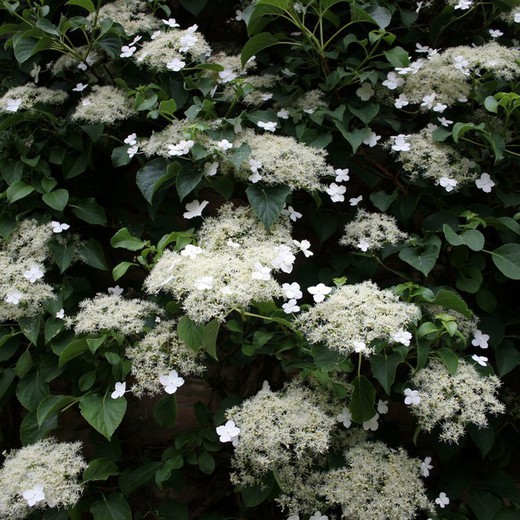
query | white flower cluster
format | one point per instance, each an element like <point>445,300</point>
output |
<point>377,482</point>
<point>158,354</point>
<point>66,62</point>
<point>354,316</point>
<point>24,97</point>
<point>22,257</point>
<point>104,105</point>
<point>40,475</point>
<point>230,267</point>
<point>369,231</point>
<point>112,312</point>
<point>452,402</point>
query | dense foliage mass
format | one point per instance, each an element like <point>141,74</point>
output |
<point>258,259</point>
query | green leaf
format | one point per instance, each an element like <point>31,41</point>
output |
<point>124,239</point>
<point>459,129</point>
<point>384,367</point>
<point>187,181</point>
<point>73,350</point>
<point>422,257</point>
<point>121,269</point>
<point>190,333</point>
<point>257,43</point>
<point>103,413</point>
<point>209,338</point>
<point>100,469</point>
<point>397,56</point>
<point>366,114</point>
<point>89,210</point>
<point>30,432</point>
<point>86,4</point>
<point>484,438</point>
<point>449,358</point>
<point>131,480</point>
<point>111,507</point>
<point>240,155</point>
<point>450,300</point>
<point>149,175</point>
<point>120,156</point>
<point>206,463</point>
<point>92,254</point>
<point>507,259</point>
<point>47,26</point>
<point>507,357</point>
<point>255,495</point>
<point>111,45</point>
<point>381,15</point>
<point>267,201</point>
<point>56,199</point>
<point>382,200</point>
<point>31,390</point>
<point>194,6</point>
<point>484,505</point>
<point>491,104</point>
<point>363,397</point>
<point>165,411</point>
<point>471,238</point>
<point>95,343</point>
<point>30,328</point>
<point>23,364</point>
<point>50,405</point>
<point>18,190</point>
<point>23,47</point>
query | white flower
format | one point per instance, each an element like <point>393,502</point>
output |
<point>261,272</point>
<point>58,227</point>
<point>412,397</point>
<point>191,251</point>
<point>293,517</point>
<point>12,105</point>
<point>135,40</point>
<point>422,48</point>
<point>317,514</point>
<point>288,73</point>
<point>290,306</point>
<point>371,424</point>
<point>442,500</point>
<point>210,168</point>
<point>359,347</point>
<point>33,273</point>
<point>365,92</point>
<point>319,292</point>
<point>479,339</point>
<point>284,259</point>
<point>239,16</point>
<point>342,175</point>
<point>205,283</point>
<point>382,407</point>
<point>13,297</point>
<point>181,148</point>
<point>393,81</point>
<point>440,107</point>
<point>336,192</point>
<point>60,314</point>
<point>485,183</point>
<point>304,246</point>
<point>227,432</point>
<point>444,122</point>
<point>464,4</point>
<point>426,467</point>
<point>403,337</point>
<point>517,17</point>
<point>372,139</point>
<point>117,291</point>
<point>363,245</point>
<point>86,102</point>
<point>292,290</point>
<point>155,34</point>
<point>254,165</point>
<point>401,101</point>
<point>283,113</point>
<point>171,22</point>
<point>194,208</point>
<point>427,101</point>
<point>34,495</point>
<point>131,139</point>
<point>447,183</point>
<point>400,144</point>
<point>80,87</point>
<point>481,360</point>
<point>176,64</point>
<point>345,418</point>
<point>119,390</point>
<point>192,28</point>
<point>132,150</point>
<point>269,126</point>
<point>255,177</point>
<point>127,51</point>
<point>354,201</point>
<point>227,75</point>
<point>224,144</point>
<point>187,42</point>
<point>293,214</point>
<point>171,382</point>
<point>461,63</point>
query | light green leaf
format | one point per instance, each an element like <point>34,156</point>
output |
<point>124,239</point>
<point>120,269</point>
<point>103,413</point>
<point>86,4</point>
<point>267,201</point>
<point>507,259</point>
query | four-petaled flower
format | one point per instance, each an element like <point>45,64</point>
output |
<point>176,65</point>
<point>293,214</point>
<point>33,273</point>
<point>447,183</point>
<point>359,346</point>
<point>283,113</point>
<point>336,192</point>
<point>13,297</point>
<point>365,91</point>
<point>401,101</point>
<point>481,360</point>
<point>228,432</point>
<point>58,227</point>
<point>171,22</point>
<point>194,208</point>
<point>115,291</point>
<point>363,245</point>
<point>485,183</point>
<point>224,144</point>
<point>382,407</point>
<point>291,306</point>
<point>464,4</point>
<point>403,337</point>
<point>426,466</point>
<point>412,397</point>
<point>372,139</point>
<point>34,495</point>
<point>342,175</point>
<point>304,246</point>
<point>400,144</point>
<point>181,148</point>
<point>319,292</point>
<point>60,314</point>
<point>191,251</point>
<point>480,339</point>
<point>119,390</point>
<point>393,81</point>
<point>318,516</point>
<point>354,201</point>
<point>12,105</point>
<point>227,75</point>
<point>80,87</point>
<point>372,423</point>
<point>442,500</point>
<point>261,272</point>
<point>292,290</point>
<point>171,382</point>
<point>345,418</point>
<point>187,42</point>
<point>205,283</point>
<point>269,126</point>
<point>127,51</point>
<point>210,168</point>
